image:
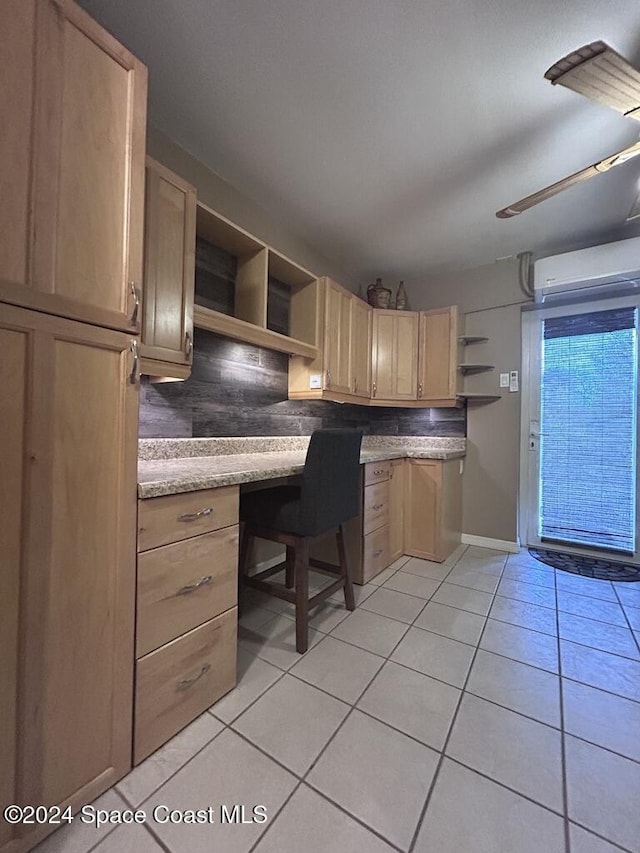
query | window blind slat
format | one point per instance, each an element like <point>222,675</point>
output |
<point>588,430</point>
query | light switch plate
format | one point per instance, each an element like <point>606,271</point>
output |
<point>504,380</point>
<point>315,380</point>
<point>513,380</point>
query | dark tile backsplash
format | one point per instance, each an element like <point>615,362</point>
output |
<point>237,389</point>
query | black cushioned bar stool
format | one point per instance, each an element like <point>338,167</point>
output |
<point>327,497</point>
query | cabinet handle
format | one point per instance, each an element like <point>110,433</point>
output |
<point>376,507</point>
<point>135,293</point>
<point>377,553</point>
<point>378,471</point>
<point>134,375</point>
<point>374,388</point>
<point>328,379</point>
<point>188,682</point>
<point>192,587</point>
<point>188,345</point>
<point>355,385</point>
<point>419,390</point>
<point>194,516</point>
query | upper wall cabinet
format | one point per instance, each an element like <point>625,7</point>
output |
<point>342,369</point>
<point>360,347</point>
<point>394,356</point>
<point>337,338</point>
<point>169,263</point>
<point>248,291</point>
<point>72,154</point>
<point>439,380</point>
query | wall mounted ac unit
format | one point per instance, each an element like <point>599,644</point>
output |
<point>597,270</point>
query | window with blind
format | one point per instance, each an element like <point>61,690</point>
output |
<point>588,430</point>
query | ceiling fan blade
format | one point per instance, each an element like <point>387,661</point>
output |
<point>598,72</point>
<point>577,177</point>
<point>634,213</point>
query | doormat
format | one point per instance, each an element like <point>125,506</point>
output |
<point>588,567</point>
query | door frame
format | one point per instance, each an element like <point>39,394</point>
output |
<point>531,318</point>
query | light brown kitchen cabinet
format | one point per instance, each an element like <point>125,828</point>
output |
<point>337,347</point>
<point>169,272</point>
<point>186,615</point>
<point>341,369</point>
<point>68,417</point>
<point>438,355</point>
<point>432,508</point>
<point>71,165</point>
<point>360,347</point>
<point>394,356</point>
<point>396,509</point>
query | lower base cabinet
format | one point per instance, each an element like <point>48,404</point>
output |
<point>187,613</point>
<point>433,508</point>
<point>68,420</point>
<point>409,506</point>
<point>180,680</point>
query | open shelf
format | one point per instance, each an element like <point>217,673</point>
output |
<point>472,339</point>
<point>240,330</point>
<point>250,292</point>
<point>477,397</point>
<point>474,368</point>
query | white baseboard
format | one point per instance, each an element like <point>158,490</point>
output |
<point>484,542</point>
<point>266,564</point>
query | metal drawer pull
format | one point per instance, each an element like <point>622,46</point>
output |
<point>192,587</point>
<point>188,345</point>
<point>135,374</point>
<point>186,684</point>
<point>377,506</point>
<point>135,293</point>
<point>377,553</point>
<point>379,471</point>
<point>194,516</point>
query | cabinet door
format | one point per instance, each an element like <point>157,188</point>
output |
<point>422,508</point>
<point>360,348</point>
<point>336,339</point>
<point>438,375</point>
<point>396,510</point>
<point>76,182</point>
<point>395,355</point>
<point>169,270</point>
<point>67,564</point>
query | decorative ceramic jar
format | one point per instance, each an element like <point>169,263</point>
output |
<point>378,296</point>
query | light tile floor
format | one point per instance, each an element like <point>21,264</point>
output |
<point>485,705</point>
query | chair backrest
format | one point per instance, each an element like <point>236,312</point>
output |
<point>330,481</point>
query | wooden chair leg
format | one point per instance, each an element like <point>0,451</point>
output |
<point>301,569</point>
<point>243,564</point>
<point>289,574</point>
<point>349,600</point>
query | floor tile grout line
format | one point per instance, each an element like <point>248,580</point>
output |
<point>633,635</point>
<point>563,745</point>
<point>452,723</point>
<point>261,836</point>
<point>613,844</point>
<point>334,735</point>
<point>164,781</point>
<point>491,651</point>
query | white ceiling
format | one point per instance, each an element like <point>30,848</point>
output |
<point>388,132</point>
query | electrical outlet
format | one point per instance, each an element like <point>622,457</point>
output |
<point>504,380</point>
<point>315,380</point>
<point>513,380</point>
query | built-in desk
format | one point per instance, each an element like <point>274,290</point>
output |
<point>189,491</point>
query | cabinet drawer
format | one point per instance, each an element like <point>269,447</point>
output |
<point>376,506</point>
<point>179,681</point>
<point>376,553</point>
<point>376,472</point>
<point>183,585</point>
<point>175,517</point>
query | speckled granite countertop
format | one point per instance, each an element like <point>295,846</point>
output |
<point>169,466</point>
